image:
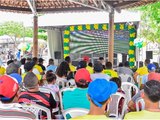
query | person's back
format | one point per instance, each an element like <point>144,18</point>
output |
<point>151,96</point>
<point>109,71</point>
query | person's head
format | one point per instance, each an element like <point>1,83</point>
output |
<point>82,78</point>
<point>9,87</point>
<point>12,68</point>
<point>99,92</point>
<point>117,81</point>
<point>151,67</point>
<point>23,61</point>
<point>28,59</point>
<point>152,91</point>
<point>108,65</point>
<point>147,61</point>
<point>9,61</point>
<point>51,61</point>
<point>50,77</point>
<point>82,64</point>
<point>40,60</point>
<point>126,64</point>
<point>101,59</point>
<point>35,60</point>
<point>63,69</point>
<point>28,66</point>
<point>30,81</point>
<point>98,67</point>
<point>120,64</point>
<point>90,64</point>
<point>68,59</point>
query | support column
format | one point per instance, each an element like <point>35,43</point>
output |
<point>111,37</point>
<point>35,37</point>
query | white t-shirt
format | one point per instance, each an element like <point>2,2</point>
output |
<point>100,75</point>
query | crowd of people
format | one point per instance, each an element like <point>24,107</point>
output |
<point>94,85</point>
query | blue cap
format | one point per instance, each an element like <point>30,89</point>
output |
<point>151,67</point>
<point>17,77</point>
<point>100,90</point>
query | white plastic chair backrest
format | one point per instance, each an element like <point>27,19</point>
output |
<point>113,106</point>
<point>37,110</point>
<point>48,90</point>
<point>60,83</point>
<point>74,112</point>
<point>127,88</point>
<point>60,95</point>
<point>126,78</point>
<point>140,101</point>
<point>71,83</point>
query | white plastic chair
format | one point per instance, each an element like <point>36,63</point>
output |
<point>114,105</point>
<point>71,83</point>
<point>128,88</point>
<point>141,102</point>
<point>74,112</point>
<point>61,83</point>
<point>37,110</point>
<point>126,78</point>
<point>48,90</point>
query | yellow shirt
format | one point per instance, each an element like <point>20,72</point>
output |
<point>90,69</point>
<point>72,68</point>
<point>38,68</point>
<point>91,117</point>
<point>142,71</point>
<point>142,115</point>
<point>2,70</point>
<point>38,76</point>
<point>111,73</point>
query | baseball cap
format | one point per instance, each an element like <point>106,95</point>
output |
<point>100,90</point>
<point>8,87</point>
<point>86,58</point>
<point>82,74</point>
<point>41,60</point>
<point>17,77</point>
<point>151,67</point>
<point>29,66</point>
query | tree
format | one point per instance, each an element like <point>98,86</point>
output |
<point>150,22</point>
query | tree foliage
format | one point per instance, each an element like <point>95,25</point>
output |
<point>150,22</point>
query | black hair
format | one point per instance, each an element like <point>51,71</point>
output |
<point>147,61</point>
<point>23,60</point>
<point>35,59</point>
<point>90,64</point>
<point>98,67</point>
<point>152,90</point>
<point>120,64</point>
<point>117,81</point>
<point>9,61</point>
<point>68,59</point>
<point>50,76</point>
<point>101,58</point>
<point>63,69</point>
<point>82,83</point>
<point>108,65</point>
<point>126,64</point>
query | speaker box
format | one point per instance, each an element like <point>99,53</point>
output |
<point>57,54</point>
<point>149,54</point>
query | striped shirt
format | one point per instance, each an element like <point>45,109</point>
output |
<point>40,98</point>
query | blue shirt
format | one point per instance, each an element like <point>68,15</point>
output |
<point>51,67</point>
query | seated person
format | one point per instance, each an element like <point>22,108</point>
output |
<point>76,97</point>
<point>33,95</point>
<point>98,68</point>
<point>109,71</point>
<point>9,108</point>
<point>99,92</point>
<point>151,96</point>
<point>118,82</point>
